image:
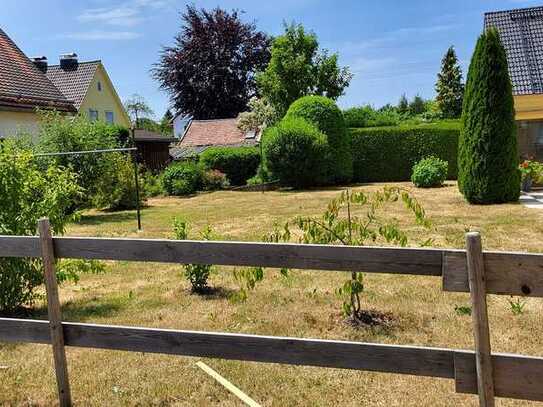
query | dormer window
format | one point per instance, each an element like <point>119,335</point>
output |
<point>99,86</point>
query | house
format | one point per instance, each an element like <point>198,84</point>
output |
<point>153,148</point>
<point>88,85</point>
<point>23,89</point>
<point>521,32</point>
<point>199,135</point>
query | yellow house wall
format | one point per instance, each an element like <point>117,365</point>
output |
<point>104,100</point>
<point>529,107</point>
<point>12,123</point>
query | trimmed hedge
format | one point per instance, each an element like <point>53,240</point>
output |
<point>383,154</point>
<point>238,163</point>
<point>182,178</point>
<point>324,113</point>
<point>294,151</point>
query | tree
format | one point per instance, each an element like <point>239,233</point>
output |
<point>210,70</point>
<point>137,108</point>
<point>417,105</point>
<point>403,105</point>
<point>449,87</point>
<point>297,68</point>
<point>261,114</point>
<point>166,125</point>
<point>488,156</point>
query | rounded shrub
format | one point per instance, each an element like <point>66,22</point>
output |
<point>183,178</point>
<point>487,151</point>
<point>430,172</point>
<point>238,163</point>
<point>324,113</point>
<point>294,151</point>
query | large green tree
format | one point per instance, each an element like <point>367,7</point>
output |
<point>449,86</point>
<point>488,157</point>
<point>298,68</point>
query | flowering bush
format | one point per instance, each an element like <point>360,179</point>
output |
<point>214,179</point>
<point>531,169</point>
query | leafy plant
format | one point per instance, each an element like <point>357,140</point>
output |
<point>531,169</point>
<point>183,178</point>
<point>462,309</point>
<point>238,163</point>
<point>196,274</point>
<point>27,193</point>
<point>246,279</point>
<point>429,172</point>
<point>517,305</point>
<point>213,180</point>
<point>354,219</point>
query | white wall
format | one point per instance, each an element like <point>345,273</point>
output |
<point>12,123</point>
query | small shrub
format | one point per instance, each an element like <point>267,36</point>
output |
<point>151,184</point>
<point>238,163</point>
<point>324,113</point>
<point>213,180</point>
<point>384,154</point>
<point>183,178</point>
<point>122,189</point>
<point>27,192</point>
<point>294,151</point>
<point>196,274</point>
<point>429,172</point>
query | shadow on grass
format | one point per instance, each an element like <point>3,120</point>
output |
<point>107,217</point>
<point>84,309</point>
<point>214,293</point>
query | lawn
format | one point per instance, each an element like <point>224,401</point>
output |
<point>303,305</point>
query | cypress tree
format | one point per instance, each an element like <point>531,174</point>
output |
<point>449,87</point>
<point>403,105</point>
<point>487,153</point>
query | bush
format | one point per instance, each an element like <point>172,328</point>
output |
<point>238,163</point>
<point>488,157</point>
<point>150,184</point>
<point>97,173</point>
<point>196,274</point>
<point>324,113</point>
<point>389,153</point>
<point>367,116</point>
<point>183,178</point>
<point>213,180</point>
<point>122,189</point>
<point>429,172</point>
<point>294,151</point>
<point>27,193</point>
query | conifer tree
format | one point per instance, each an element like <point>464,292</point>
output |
<point>449,87</point>
<point>487,152</point>
<point>403,105</point>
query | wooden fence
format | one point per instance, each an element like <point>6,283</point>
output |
<point>478,372</point>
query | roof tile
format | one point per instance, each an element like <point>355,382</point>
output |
<point>73,82</point>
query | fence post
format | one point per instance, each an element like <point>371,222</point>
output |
<point>477,288</point>
<point>53,310</point>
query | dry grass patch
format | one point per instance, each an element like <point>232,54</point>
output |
<point>156,295</point>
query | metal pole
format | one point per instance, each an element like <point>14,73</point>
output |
<point>136,179</point>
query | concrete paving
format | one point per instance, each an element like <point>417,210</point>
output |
<point>532,200</point>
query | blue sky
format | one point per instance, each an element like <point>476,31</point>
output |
<point>391,46</point>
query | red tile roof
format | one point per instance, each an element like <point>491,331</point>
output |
<point>73,82</point>
<point>22,85</point>
<point>213,132</point>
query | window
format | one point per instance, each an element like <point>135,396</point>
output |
<point>93,114</point>
<point>99,86</point>
<point>110,118</point>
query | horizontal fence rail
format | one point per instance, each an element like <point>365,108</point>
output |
<point>506,273</point>
<point>516,376</point>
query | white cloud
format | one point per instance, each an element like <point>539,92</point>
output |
<point>102,35</point>
<point>126,14</point>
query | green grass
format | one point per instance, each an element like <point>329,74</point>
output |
<point>156,295</point>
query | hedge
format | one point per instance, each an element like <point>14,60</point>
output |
<point>238,163</point>
<point>383,154</point>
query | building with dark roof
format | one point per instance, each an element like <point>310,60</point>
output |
<point>521,32</point>
<point>23,89</point>
<point>88,85</point>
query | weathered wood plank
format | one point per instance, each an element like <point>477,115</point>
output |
<point>514,376</point>
<point>54,313</point>
<point>19,246</point>
<point>505,273</point>
<point>300,256</point>
<point>481,331</point>
<point>309,352</point>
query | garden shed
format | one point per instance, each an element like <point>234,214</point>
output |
<point>153,148</point>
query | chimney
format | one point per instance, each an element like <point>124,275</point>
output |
<point>40,63</point>
<point>68,61</point>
